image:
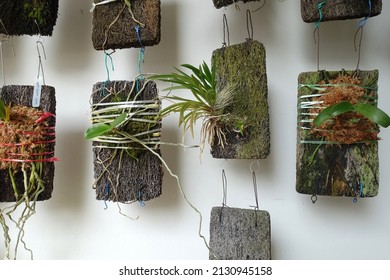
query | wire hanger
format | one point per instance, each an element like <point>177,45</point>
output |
<point>224,191</point>
<point>249,25</point>
<point>40,65</point>
<point>225,32</point>
<point>254,180</point>
<point>8,41</point>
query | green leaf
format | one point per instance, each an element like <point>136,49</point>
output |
<point>333,111</point>
<point>100,129</point>
<point>119,120</point>
<point>373,113</point>
<point>96,130</point>
<point>3,110</point>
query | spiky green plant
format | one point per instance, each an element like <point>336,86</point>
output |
<point>206,105</point>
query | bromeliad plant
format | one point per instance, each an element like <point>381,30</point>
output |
<point>207,103</point>
<point>26,138</point>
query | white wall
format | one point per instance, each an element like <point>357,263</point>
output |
<point>73,225</point>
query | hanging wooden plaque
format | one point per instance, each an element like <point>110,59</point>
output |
<point>339,10</point>
<point>22,96</point>
<point>333,161</point>
<point>127,175</point>
<point>224,3</point>
<point>26,17</point>
<point>115,27</point>
<point>240,234</point>
<point>246,125</point>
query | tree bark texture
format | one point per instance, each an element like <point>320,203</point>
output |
<point>334,169</point>
<point>339,9</point>
<point>115,28</point>
<point>26,17</point>
<point>246,121</point>
<point>239,234</point>
<point>123,176</point>
<point>22,95</point>
<point>224,3</point>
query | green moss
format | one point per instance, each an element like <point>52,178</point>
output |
<point>244,66</point>
<point>37,10</point>
<point>335,170</point>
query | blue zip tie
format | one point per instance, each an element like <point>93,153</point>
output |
<point>141,53</point>
<point>363,21</point>
<point>141,202</point>
<point>360,192</point>
<point>320,5</point>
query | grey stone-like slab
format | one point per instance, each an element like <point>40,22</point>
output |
<point>240,234</point>
<point>339,10</point>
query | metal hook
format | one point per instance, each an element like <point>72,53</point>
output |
<point>40,65</point>
<point>316,36</point>
<point>317,31</point>
<point>252,163</point>
<point>360,30</point>
<point>224,190</point>
<point>236,5</point>
<point>6,40</point>
<point>249,25</point>
<point>259,8</point>
<point>225,29</point>
<point>39,29</point>
<point>2,56</point>
<point>255,190</point>
<point>256,208</point>
<point>5,29</point>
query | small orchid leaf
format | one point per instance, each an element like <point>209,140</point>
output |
<point>96,130</point>
<point>100,129</point>
<point>332,111</point>
<point>373,113</point>
<point>119,120</point>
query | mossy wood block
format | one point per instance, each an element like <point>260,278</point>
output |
<point>22,95</point>
<point>27,17</point>
<point>223,3</point>
<point>127,177</point>
<point>334,169</point>
<point>114,27</point>
<point>339,10</point>
<point>240,234</point>
<point>246,121</point>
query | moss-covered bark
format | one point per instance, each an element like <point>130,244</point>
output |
<point>223,3</point>
<point>114,27</point>
<point>333,169</point>
<point>246,122</point>
<point>240,234</point>
<point>134,175</point>
<point>22,95</point>
<point>28,17</point>
<point>339,10</point>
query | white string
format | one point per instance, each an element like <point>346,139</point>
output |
<point>100,3</point>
